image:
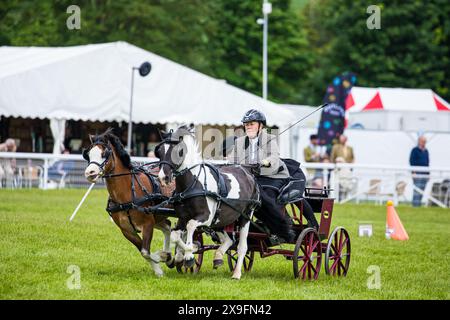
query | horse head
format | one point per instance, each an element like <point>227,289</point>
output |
<point>102,155</point>
<point>177,151</point>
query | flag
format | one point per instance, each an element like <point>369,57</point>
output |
<point>332,121</point>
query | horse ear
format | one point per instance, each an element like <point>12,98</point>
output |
<point>162,134</point>
<point>180,139</point>
<point>91,138</point>
<point>86,154</point>
<point>191,128</point>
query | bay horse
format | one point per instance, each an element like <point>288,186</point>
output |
<point>107,158</point>
<point>206,196</point>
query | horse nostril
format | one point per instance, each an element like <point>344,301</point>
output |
<point>92,172</point>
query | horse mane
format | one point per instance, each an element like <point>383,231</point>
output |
<point>108,135</point>
<point>191,143</point>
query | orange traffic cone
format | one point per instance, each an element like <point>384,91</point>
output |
<point>394,227</point>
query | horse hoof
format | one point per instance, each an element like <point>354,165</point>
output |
<point>189,263</point>
<point>170,264</point>
<point>236,277</point>
<point>217,263</point>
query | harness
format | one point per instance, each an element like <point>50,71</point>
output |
<point>135,172</point>
<point>220,196</point>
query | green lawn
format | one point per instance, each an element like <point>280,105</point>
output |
<point>38,244</point>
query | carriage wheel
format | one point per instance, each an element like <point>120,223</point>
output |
<point>307,255</point>
<point>248,260</point>
<point>198,240</point>
<point>337,256</point>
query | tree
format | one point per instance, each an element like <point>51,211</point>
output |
<point>238,46</point>
<point>410,50</point>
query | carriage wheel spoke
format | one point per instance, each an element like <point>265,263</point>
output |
<point>315,246</point>
<point>339,268</point>
<point>334,248</point>
<point>341,235</point>
<point>344,243</point>
<point>333,266</point>
<point>341,264</point>
<point>304,250</point>
<point>314,269</point>
<point>311,238</point>
<point>303,268</point>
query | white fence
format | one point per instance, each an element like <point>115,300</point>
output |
<point>45,171</point>
<point>350,182</point>
<point>379,183</point>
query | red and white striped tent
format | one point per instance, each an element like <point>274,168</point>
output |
<point>362,99</point>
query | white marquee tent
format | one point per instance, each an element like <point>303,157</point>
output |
<point>93,82</point>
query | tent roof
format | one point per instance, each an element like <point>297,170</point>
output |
<point>394,99</point>
<point>93,82</point>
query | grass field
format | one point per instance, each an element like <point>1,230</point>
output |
<point>38,244</point>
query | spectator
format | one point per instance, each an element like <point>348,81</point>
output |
<point>341,149</point>
<point>59,170</point>
<point>313,152</point>
<point>8,166</point>
<point>419,157</point>
<point>8,146</point>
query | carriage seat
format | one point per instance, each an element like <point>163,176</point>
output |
<point>291,192</point>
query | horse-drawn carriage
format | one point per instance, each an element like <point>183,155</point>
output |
<point>310,244</point>
<point>139,206</point>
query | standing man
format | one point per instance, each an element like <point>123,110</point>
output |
<point>419,157</point>
<point>341,149</point>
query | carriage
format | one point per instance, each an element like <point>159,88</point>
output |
<point>136,186</point>
<point>310,244</point>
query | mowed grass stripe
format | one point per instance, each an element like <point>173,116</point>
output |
<point>37,245</point>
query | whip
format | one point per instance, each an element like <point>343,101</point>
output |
<point>81,202</point>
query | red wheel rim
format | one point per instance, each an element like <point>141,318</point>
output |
<point>307,255</point>
<point>338,253</point>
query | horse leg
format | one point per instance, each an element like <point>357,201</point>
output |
<point>133,238</point>
<point>226,243</point>
<point>189,260</point>
<point>242,249</point>
<point>166,254</point>
<point>175,237</point>
<point>152,258</point>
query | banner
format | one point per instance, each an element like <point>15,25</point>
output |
<point>332,120</point>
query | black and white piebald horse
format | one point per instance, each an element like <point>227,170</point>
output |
<point>206,196</point>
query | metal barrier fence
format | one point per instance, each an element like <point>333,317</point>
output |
<point>350,182</point>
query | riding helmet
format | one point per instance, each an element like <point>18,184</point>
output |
<point>254,115</point>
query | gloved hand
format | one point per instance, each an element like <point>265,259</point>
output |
<point>265,163</point>
<point>256,170</point>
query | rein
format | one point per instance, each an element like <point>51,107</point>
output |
<point>135,171</point>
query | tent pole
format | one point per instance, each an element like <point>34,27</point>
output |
<point>130,124</point>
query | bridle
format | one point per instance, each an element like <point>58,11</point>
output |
<point>173,167</point>
<point>107,156</point>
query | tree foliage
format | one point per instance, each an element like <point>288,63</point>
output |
<point>309,41</point>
